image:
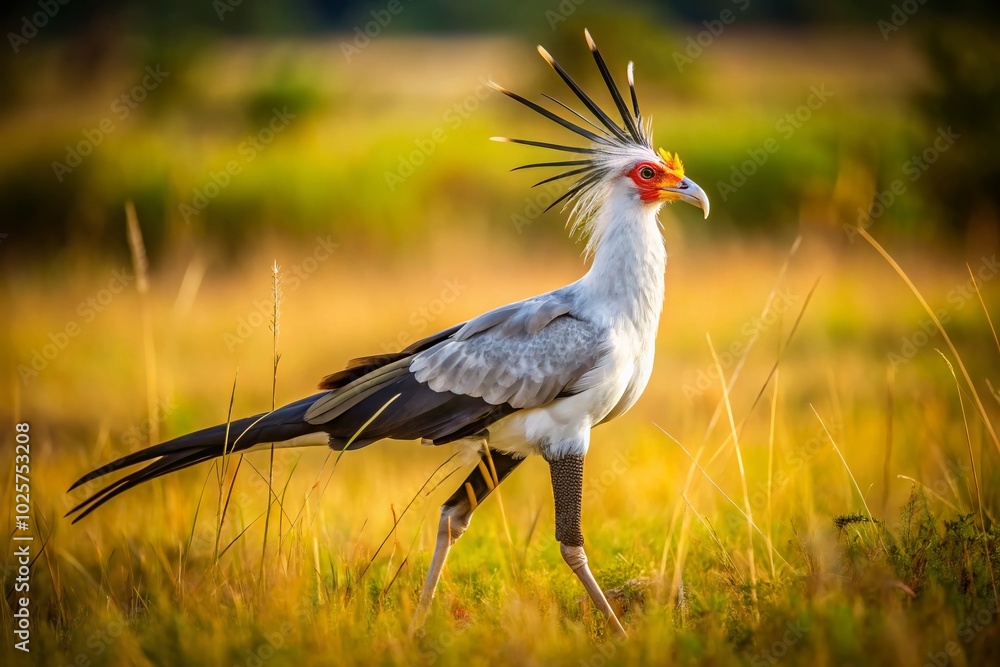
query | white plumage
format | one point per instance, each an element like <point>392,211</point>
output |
<point>532,377</point>
<point>593,339</point>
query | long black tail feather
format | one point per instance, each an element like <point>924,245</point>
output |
<point>283,424</point>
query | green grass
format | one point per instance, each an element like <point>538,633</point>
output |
<point>355,122</point>
<point>874,486</point>
<point>138,582</point>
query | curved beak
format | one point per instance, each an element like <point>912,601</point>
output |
<point>690,192</point>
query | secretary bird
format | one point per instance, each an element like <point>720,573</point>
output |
<point>532,377</point>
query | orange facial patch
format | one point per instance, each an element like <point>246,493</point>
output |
<point>651,177</point>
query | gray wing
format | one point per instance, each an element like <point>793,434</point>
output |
<point>460,381</point>
<point>523,355</point>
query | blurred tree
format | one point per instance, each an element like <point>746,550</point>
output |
<point>965,96</point>
<point>94,43</point>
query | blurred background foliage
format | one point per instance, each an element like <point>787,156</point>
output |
<point>362,104</point>
<point>379,147</point>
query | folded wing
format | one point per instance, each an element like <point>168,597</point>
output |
<point>520,356</point>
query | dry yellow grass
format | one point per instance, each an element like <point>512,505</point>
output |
<point>762,554</point>
<point>137,582</point>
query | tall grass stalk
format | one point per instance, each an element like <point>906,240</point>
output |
<point>724,494</point>
<point>680,514</point>
<point>275,357</point>
<point>140,264</point>
<point>890,388</point>
<point>743,473</point>
<point>850,474</point>
<point>940,327</point>
<point>750,343</point>
<point>975,476</point>
<point>983,304</point>
<point>770,470</point>
<point>222,468</point>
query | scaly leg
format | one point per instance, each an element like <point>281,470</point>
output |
<point>456,513</point>
<point>567,491</point>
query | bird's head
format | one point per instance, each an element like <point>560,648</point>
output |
<point>659,179</point>
<point>619,159</point>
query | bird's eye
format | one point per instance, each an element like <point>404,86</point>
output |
<point>646,173</point>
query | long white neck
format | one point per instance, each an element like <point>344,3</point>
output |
<point>625,281</point>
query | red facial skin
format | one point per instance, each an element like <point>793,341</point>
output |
<point>651,189</point>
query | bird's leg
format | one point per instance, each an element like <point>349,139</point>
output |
<point>567,491</point>
<point>493,468</point>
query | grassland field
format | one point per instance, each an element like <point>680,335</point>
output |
<point>863,454</point>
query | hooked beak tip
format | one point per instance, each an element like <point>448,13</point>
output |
<point>690,192</point>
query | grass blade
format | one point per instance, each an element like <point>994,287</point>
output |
<point>930,312</point>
